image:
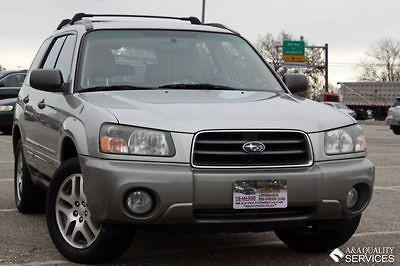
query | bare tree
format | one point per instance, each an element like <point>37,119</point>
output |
<point>268,46</point>
<point>383,61</point>
<point>2,68</point>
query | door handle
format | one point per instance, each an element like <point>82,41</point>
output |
<point>41,104</point>
<point>26,99</point>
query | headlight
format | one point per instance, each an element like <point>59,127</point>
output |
<point>345,140</point>
<point>136,141</point>
<point>6,108</point>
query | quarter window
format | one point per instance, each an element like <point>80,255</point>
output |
<point>64,60</point>
<point>54,52</point>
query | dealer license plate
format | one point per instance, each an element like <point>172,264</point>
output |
<point>259,194</point>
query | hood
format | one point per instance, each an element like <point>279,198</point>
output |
<point>194,110</point>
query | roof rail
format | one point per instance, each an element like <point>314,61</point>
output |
<point>63,23</point>
<point>193,20</point>
<point>79,16</point>
<point>221,26</point>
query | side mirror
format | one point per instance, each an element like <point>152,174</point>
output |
<point>2,84</point>
<point>296,82</point>
<point>47,80</point>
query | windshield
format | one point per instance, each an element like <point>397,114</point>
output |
<point>155,58</point>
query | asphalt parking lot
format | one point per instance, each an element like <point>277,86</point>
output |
<point>24,238</point>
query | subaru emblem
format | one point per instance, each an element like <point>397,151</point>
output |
<point>253,146</point>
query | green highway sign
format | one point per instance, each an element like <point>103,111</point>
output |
<point>293,51</point>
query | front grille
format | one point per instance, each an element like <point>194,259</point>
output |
<point>252,214</point>
<point>225,149</point>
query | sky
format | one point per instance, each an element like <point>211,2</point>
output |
<point>348,26</point>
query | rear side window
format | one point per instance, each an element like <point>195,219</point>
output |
<point>54,52</point>
<point>64,60</point>
<point>396,103</point>
<point>40,55</point>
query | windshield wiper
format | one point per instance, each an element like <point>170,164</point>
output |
<point>116,88</point>
<point>198,86</point>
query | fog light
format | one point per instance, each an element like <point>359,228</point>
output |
<point>352,198</point>
<point>139,202</point>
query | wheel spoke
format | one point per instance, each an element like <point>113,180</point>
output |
<point>73,215</point>
<point>87,235</point>
<point>74,232</point>
<point>19,176</point>
<point>68,224</point>
<point>81,193</point>
<point>66,211</point>
<point>91,226</point>
<point>66,198</point>
<point>73,187</point>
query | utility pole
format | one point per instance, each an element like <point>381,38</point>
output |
<point>203,12</point>
<point>326,68</point>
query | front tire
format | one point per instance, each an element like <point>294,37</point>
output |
<point>396,130</point>
<point>76,236</point>
<point>29,198</point>
<point>320,239</point>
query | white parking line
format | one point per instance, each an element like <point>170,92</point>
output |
<point>50,262</point>
<point>395,188</point>
<point>8,210</point>
<point>6,161</point>
<point>388,144</point>
<point>387,166</point>
<point>383,154</point>
<point>377,233</point>
<point>6,179</point>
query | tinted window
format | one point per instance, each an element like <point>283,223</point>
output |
<point>54,52</point>
<point>396,103</point>
<point>40,54</point>
<point>14,80</point>
<point>156,58</point>
<point>65,58</point>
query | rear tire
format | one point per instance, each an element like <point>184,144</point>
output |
<point>315,239</point>
<point>29,198</point>
<point>396,130</point>
<point>76,236</point>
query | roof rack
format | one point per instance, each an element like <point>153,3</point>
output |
<point>221,26</point>
<point>79,16</point>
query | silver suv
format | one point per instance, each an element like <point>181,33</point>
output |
<point>169,122</point>
<point>393,117</point>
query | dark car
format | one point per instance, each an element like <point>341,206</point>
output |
<point>7,115</point>
<point>11,82</point>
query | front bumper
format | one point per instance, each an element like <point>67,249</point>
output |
<point>185,195</point>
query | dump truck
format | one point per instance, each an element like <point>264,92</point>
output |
<point>369,97</point>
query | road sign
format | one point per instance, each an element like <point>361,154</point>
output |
<point>293,51</point>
